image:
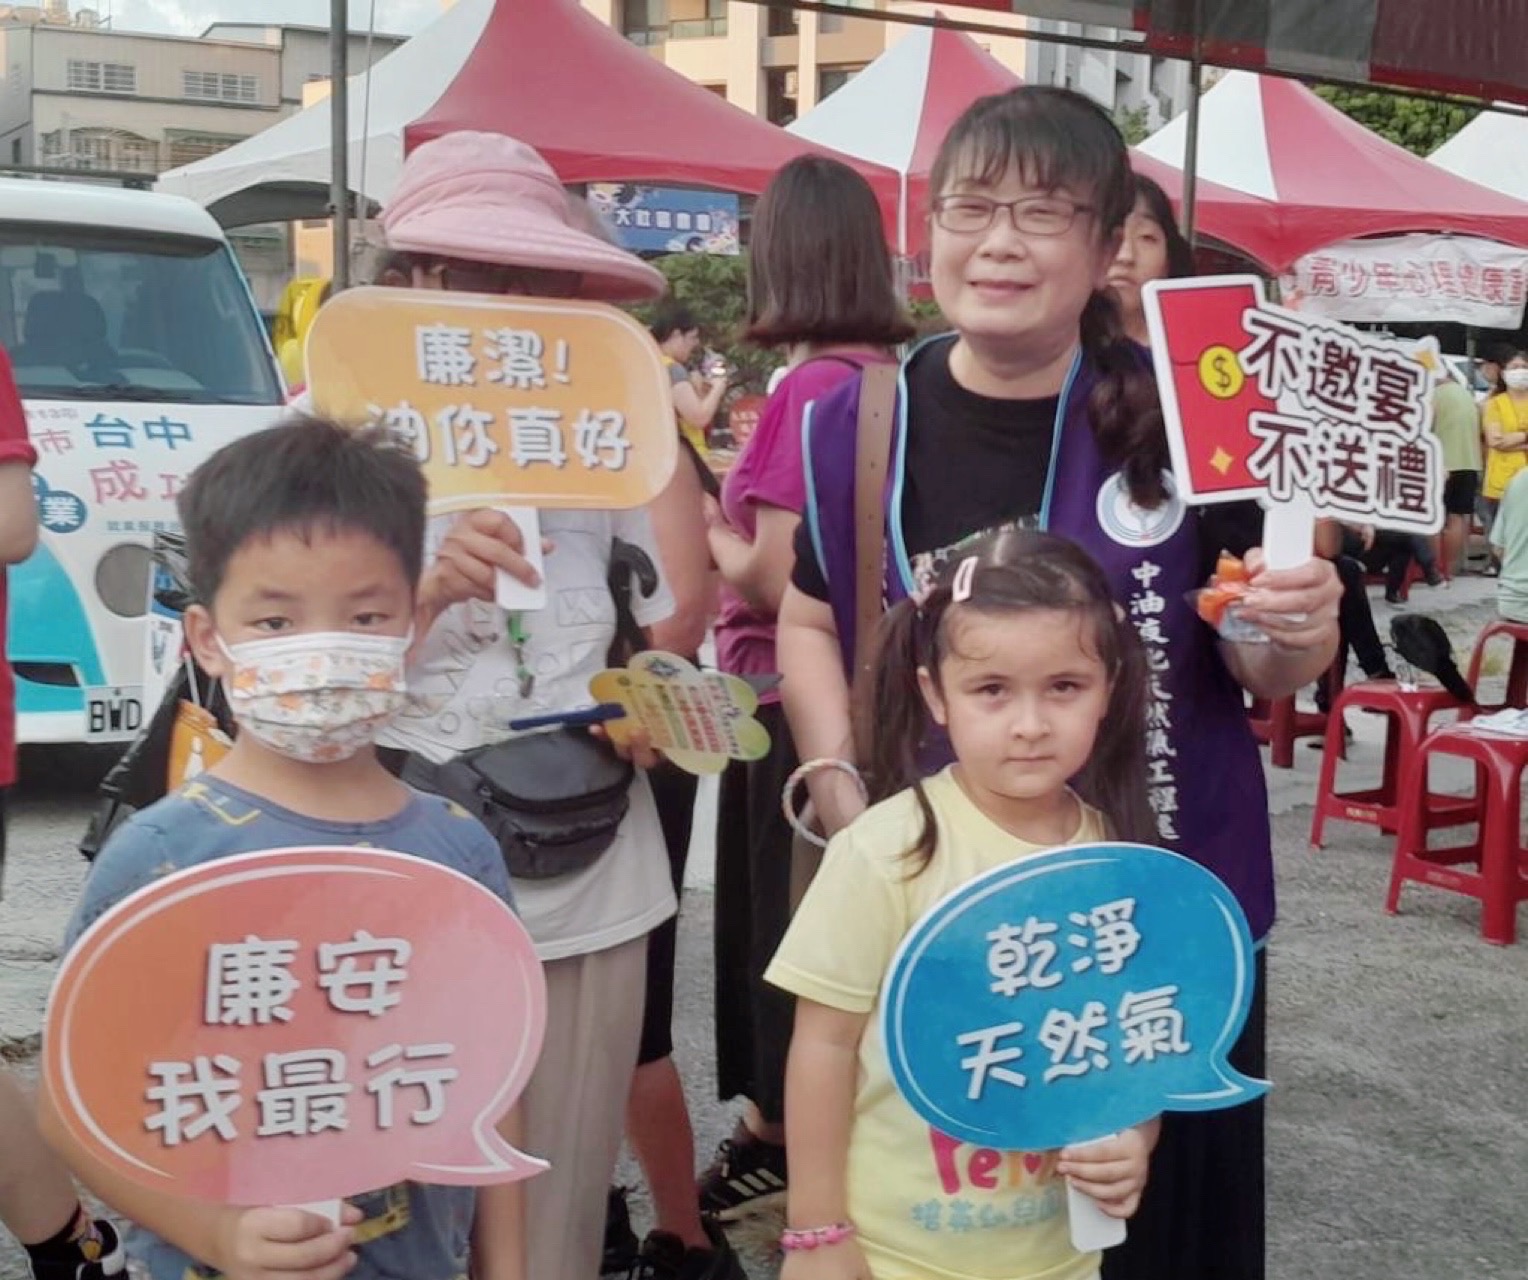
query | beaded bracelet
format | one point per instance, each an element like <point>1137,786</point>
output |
<point>793,815</point>
<point>815,1237</point>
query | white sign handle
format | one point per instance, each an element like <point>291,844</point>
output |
<point>510,594</point>
<point>1289,532</point>
<point>330,1210</point>
<point>1092,1228</point>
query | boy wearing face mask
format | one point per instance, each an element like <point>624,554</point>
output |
<point>305,544</point>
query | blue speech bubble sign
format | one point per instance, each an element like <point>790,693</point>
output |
<point>1070,995</point>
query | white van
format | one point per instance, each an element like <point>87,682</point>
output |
<point>138,351</point>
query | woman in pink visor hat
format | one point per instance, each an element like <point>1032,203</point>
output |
<point>483,213</point>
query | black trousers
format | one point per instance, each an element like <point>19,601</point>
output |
<point>753,907</point>
<point>1355,621</point>
<point>674,794</point>
<point>1203,1216</point>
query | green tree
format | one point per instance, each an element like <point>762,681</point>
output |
<point>715,288</point>
<point>1133,123</point>
<point>1421,125</point>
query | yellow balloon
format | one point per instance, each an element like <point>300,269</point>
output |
<point>1220,373</point>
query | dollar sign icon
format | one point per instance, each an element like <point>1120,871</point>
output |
<point>1220,373</point>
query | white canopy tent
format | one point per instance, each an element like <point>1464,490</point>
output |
<point>283,173</point>
<point>1491,150</point>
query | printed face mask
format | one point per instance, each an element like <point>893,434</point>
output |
<point>318,697</point>
<point>1517,379</point>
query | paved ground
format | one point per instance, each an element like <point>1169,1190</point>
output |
<point>1398,1123</point>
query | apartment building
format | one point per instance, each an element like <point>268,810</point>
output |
<point>777,63</point>
<point>304,51</point>
<point>77,96</point>
<point>1123,83</point>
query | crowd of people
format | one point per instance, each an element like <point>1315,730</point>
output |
<point>984,668</point>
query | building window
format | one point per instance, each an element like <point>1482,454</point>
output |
<point>780,95</point>
<point>645,21</point>
<point>832,79</point>
<point>118,77</point>
<point>15,150</point>
<point>101,77</point>
<point>220,86</point>
<point>186,147</point>
<point>782,22</point>
<point>713,24</point>
<point>99,148</point>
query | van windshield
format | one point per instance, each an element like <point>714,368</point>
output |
<point>91,314</point>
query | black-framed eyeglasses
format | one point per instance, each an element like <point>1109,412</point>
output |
<point>1031,216</point>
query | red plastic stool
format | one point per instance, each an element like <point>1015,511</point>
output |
<point>1517,672</point>
<point>1500,880</point>
<point>1277,723</point>
<point>1408,714</point>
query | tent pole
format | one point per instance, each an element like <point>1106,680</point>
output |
<point>1191,138</point>
<point>339,140</point>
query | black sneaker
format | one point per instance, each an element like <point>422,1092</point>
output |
<point>747,1177</point>
<point>95,1256</point>
<point>665,1256</point>
<point>621,1246</point>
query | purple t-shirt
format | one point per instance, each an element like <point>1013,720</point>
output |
<point>769,472</point>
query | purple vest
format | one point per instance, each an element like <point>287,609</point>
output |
<point>1206,776</point>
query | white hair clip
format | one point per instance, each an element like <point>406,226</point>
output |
<point>965,576</point>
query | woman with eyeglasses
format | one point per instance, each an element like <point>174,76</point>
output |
<point>1037,411</point>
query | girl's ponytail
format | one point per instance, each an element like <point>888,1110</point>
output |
<point>1124,408</point>
<point>893,720</point>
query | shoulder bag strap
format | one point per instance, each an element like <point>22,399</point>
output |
<point>877,404</point>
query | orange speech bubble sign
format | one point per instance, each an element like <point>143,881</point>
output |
<point>524,402</point>
<point>299,1025</point>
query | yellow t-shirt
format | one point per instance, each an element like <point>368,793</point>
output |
<point>695,435</point>
<point>1502,464</point>
<point>926,1207</point>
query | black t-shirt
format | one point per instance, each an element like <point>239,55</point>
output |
<point>976,464</point>
<point>983,468</point>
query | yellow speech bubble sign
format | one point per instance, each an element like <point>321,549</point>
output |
<point>698,719</point>
<point>506,402</point>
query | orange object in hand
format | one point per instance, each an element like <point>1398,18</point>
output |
<point>1228,585</point>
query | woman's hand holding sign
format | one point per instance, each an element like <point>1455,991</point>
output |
<point>480,544</point>
<point>1297,610</point>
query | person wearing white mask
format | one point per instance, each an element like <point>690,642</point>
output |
<point>305,549</point>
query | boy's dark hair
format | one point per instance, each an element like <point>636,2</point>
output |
<point>671,318</point>
<point>818,267</point>
<point>1016,571</point>
<point>303,474</point>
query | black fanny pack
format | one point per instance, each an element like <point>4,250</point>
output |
<point>554,801</point>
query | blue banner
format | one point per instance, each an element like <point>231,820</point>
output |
<point>668,219</point>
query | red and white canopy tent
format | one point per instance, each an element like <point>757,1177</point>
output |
<point>1410,44</point>
<point>1330,184</point>
<point>544,71</point>
<point>897,110</point>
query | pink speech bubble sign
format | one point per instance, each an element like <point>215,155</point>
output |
<point>299,1025</point>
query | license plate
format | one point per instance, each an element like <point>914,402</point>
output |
<point>113,712</point>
